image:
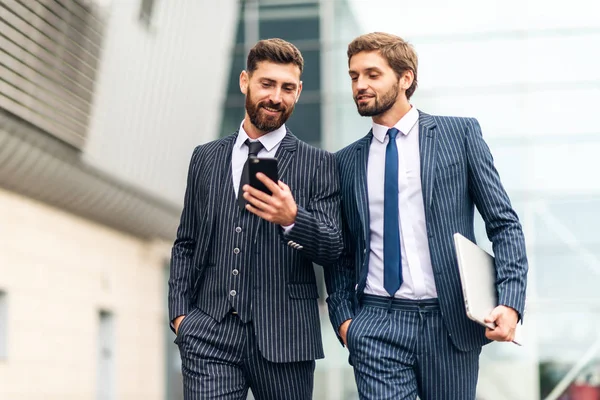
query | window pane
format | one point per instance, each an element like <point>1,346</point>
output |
<point>305,123</point>
<point>290,29</point>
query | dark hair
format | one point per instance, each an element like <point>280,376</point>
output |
<point>275,50</point>
<point>399,54</point>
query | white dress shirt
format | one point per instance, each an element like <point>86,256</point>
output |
<point>417,273</point>
<point>239,154</point>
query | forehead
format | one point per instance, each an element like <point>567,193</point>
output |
<point>368,60</point>
<point>277,72</point>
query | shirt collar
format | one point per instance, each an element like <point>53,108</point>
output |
<point>268,140</point>
<point>405,125</point>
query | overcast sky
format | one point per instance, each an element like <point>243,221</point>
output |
<point>425,18</point>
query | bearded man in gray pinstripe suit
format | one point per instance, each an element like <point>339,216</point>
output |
<point>242,290</point>
<point>395,297</point>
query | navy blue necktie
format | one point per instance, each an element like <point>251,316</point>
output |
<point>392,260</point>
<point>253,149</point>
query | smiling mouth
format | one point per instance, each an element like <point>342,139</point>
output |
<point>272,110</point>
<point>363,98</point>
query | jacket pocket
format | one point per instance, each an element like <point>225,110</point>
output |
<point>450,169</point>
<point>303,291</point>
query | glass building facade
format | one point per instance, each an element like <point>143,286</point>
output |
<point>298,23</point>
<point>532,79</point>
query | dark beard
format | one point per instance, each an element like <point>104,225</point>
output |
<point>266,123</point>
<point>387,101</point>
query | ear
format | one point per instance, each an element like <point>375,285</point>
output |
<point>406,79</point>
<point>244,82</point>
<point>299,91</point>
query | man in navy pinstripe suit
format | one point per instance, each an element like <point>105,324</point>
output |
<point>395,297</point>
<point>242,289</point>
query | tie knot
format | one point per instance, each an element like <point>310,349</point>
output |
<point>253,147</point>
<point>393,132</point>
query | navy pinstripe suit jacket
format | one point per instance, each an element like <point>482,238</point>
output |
<point>457,173</point>
<point>284,291</point>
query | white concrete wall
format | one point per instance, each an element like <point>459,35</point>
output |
<point>58,271</point>
<point>160,90</point>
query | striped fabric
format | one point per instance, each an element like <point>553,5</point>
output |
<point>404,351</point>
<point>221,360</point>
<point>457,174</point>
<point>284,294</point>
<point>230,266</point>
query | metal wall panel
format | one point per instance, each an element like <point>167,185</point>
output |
<point>41,167</point>
<point>49,55</point>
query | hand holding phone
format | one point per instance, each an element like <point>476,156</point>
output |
<point>277,204</point>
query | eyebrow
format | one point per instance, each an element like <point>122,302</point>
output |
<point>294,85</point>
<point>370,69</point>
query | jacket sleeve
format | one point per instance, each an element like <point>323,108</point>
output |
<point>316,231</point>
<point>182,254</point>
<point>340,275</point>
<point>339,282</point>
<point>501,221</point>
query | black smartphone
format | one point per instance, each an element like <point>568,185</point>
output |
<point>267,166</point>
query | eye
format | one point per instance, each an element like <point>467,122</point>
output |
<point>288,89</point>
<point>353,78</point>
<point>266,84</point>
<point>373,76</point>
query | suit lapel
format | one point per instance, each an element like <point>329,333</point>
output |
<point>427,147</point>
<point>220,175</point>
<point>285,153</point>
<point>360,182</point>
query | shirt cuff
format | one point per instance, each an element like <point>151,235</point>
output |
<point>287,228</point>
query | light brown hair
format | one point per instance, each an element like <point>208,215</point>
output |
<point>274,50</point>
<point>400,55</point>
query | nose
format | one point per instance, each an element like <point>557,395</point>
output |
<point>361,83</point>
<point>276,96</point>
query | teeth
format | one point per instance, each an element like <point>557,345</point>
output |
<point>271,109</point>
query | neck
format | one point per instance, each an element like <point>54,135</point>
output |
<point>394,114</point>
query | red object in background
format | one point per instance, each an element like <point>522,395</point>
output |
<point>584,392</point>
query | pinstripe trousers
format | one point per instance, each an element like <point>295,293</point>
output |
<point>400,349</point>
<point>221,360</point>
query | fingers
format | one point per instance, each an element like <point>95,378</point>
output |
<point>284,187</point>
<point>177,322</point>
<point>260,201</point>
<point>259,204</point>
<point>494,315</point>
<point>505,329</point>
<point>279,208</point>
<point>343,331</point>
<point>278,190</point>
<point>262,214</point>
<point>272,186</point>
<point>500,333</point>
<point>258,194</point>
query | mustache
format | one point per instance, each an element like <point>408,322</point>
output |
<point>272,105</point>
<point>364,92</point>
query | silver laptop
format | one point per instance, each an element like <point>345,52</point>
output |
<point>478,279</point>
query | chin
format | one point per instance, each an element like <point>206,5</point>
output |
<point>365,111</point>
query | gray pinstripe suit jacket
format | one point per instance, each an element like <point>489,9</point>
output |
<point>457,173</point>
<point>284,293</point>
